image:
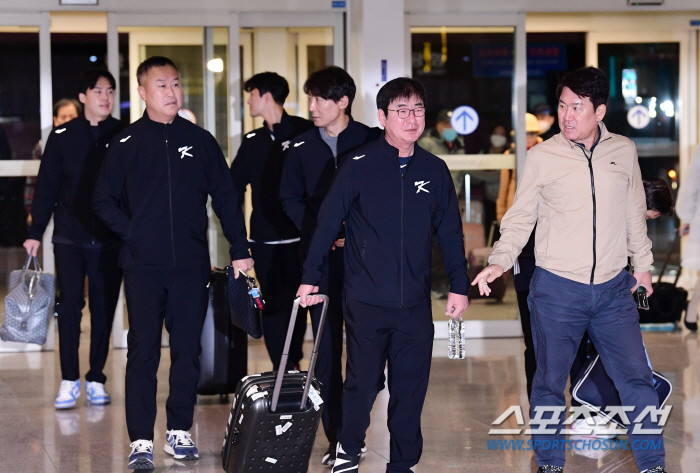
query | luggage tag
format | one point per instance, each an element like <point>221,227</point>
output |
<point>254,291</point>
<point>315,398</point>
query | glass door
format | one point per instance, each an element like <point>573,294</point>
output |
<point>470,76</point>
<point>25,116</point>
<point>647,92</point>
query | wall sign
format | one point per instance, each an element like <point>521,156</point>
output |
<point>638,117</point>
<point>464,120</point>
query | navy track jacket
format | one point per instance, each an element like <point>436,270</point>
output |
<point>153,193</point>
<point>70,166</point>
<point>259,162</point>
<point>389,226</point>
<point>308,173</point>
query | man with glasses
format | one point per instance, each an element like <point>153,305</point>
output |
<point>393,197</point>
<point>308,172</point>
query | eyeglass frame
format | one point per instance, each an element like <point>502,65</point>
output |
<point>408,110</point>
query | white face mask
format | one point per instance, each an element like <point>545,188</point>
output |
<point>498,141</point>
<point>544,126</point>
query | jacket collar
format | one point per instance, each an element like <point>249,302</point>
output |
<point>604,134</point>
<point>282,130</point>
<point>392,152</point>
<point>159,126</point>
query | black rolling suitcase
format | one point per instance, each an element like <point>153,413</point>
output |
<point>224,358</point>
<point>274,417</point>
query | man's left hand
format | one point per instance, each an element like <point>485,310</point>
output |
<point>244,265</point>
<point>643,279</point>
<point>456,305</point>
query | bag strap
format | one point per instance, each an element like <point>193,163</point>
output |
<point>285,353</point>
<point>668,258</point>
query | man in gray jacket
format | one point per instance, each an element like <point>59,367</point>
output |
<point>583,188</point>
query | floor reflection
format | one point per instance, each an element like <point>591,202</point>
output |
<point>464,398</point>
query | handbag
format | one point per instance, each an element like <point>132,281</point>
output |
<point>596,390</point>
<point>29,304</point>
<point>246,303</point>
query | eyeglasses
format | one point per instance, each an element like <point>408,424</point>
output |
<point>405,112</point>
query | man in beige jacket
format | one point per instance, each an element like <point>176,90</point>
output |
<point>583,188</point>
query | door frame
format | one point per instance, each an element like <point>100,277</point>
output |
<point>42,21</point>
<point>485,328</point>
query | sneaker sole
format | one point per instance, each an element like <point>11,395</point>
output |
<point>189,456</point>
<point>142,464</point>
<point>99,401</point>
<point>64,405</point>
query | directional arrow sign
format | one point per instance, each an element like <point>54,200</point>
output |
<point>464,120</point>
<point>638,117</point>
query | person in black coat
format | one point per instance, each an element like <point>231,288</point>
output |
<point>311,162</point>
<point>274,240</point>
<point>393,197</point>
<point>153,193</point>
<point>83,245</point>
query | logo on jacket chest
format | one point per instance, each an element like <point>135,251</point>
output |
<point>421,186</point>
<point>184,150</point>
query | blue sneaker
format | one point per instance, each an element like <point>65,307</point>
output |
<point>68,392</point>
<point>96,393</point>
<point>141,457</point>
<point>180,445</point>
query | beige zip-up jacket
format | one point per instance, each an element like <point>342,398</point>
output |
<point>589,208</point>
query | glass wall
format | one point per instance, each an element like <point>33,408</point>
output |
<point>470,67</point>
<point>643,106</point>
<point>20,131</point>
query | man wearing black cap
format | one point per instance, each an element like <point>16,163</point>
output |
<point>547,124</point>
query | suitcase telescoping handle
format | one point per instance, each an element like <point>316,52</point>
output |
<point>285,353</point>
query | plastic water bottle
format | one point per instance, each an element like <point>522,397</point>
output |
<point>456,339</point>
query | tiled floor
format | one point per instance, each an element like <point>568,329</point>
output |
<point>464,398</point>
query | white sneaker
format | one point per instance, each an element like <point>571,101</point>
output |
<point>179,444</point>
<point>96,393</point>
<point>141,457</point>
<point>595,430</point>
<point>68,392</point>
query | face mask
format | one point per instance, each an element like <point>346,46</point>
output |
<point>544,126</point>
<point>498,141</point>
<point>449,134</point>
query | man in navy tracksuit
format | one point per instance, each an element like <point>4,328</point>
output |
<point>274,240</point>
<point>82,244</point>
<point>153,193</point>
<point>394,197</point>
<point>311,162</point>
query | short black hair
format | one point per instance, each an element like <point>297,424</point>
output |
<point>150,63</point>
<point>88,79</point>
<point>269,82</point>
<point>332,83</point>
<point>658,195</point>
<point>399,88</point>
<point>588,82</point>
<point>65,102</point>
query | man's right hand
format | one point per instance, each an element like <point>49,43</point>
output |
<point>32,246</point>
<point>487,275</point>
<point>304,292</point>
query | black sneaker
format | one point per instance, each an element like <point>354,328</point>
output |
<point>656,469</point>
<point>329,456</point>
<point>550,469</point>
<point>345,463</point>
